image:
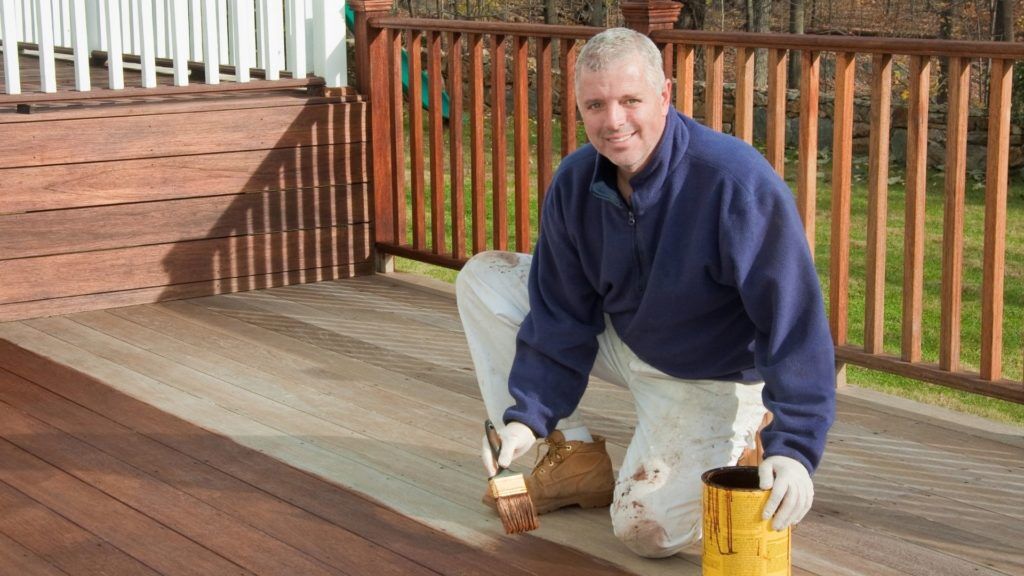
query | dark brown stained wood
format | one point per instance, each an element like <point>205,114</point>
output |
<point>202,260</point>
<point>148,105</point>
<point>842,166</point>
<point>66,547</point>
<point>568,62</point>
<point>744,105</point>
<point>807,163</point>
<point>336,527</point>
<point>221,534</point>
<point>544,132</point>
<point>521,141</point>
<point>684,78</point>
<point>119,298</point>
<point>713,87</point>
<point>776,145</point>
<point>123,181</point>
<point>377,76</point>
<point>436,128</point>
<point>457,176</point>
<point>117,226</point>
<point>397,107</point>
<point>20,560</point>
<point>122,138</point>
<point>995,219</point>
<point>478,179</point>
<point>959,77</point>
<point>416,151</point>
<point>499,148</point>
<point>878,203</point>
<point>131,531</point>
<point>914,209</point>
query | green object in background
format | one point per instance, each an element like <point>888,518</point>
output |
<point>350,21</point>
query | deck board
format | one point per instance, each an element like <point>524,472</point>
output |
<point>367,383</point>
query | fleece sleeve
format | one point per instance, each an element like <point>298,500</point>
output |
<point>763,245</point>
<point>557,341</point>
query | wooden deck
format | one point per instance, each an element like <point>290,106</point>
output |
<point>234,434</point>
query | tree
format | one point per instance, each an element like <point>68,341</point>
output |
<point>796,26</point>
<point>759,17</point>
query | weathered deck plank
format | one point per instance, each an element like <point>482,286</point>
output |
<point>366,382</point>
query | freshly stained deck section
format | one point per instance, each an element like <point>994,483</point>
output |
<point>366,383</point>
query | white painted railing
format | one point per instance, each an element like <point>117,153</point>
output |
<point>295,36</point>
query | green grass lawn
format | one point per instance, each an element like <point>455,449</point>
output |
<point>1013,321</point>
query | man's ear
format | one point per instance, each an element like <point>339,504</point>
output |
<point>666,96</point>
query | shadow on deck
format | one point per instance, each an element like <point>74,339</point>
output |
<point>240,434</point>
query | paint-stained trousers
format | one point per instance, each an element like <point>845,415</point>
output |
<point>684,427</point>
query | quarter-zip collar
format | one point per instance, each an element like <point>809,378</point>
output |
<point>649,183</point>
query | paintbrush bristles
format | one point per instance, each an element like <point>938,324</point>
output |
<point>514,505</point>
<point>517,513</point>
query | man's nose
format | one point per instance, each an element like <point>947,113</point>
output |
<point>615,117</point>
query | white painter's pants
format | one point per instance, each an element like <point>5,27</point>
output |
<point>684,427</point>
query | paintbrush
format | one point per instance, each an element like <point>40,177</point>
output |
<point>509,491</point>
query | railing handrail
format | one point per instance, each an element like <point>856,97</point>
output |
<point>817,42</point>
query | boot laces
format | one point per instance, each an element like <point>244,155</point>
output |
<point>555,454</point>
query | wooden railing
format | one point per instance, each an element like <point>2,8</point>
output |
<point>443,192</point>
<point>231,40</point>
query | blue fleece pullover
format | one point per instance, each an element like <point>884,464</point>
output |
<point>706,274</point>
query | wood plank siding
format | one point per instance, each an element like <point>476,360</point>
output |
<point>113,202</point>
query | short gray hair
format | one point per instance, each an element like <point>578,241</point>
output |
<point>615,44</point>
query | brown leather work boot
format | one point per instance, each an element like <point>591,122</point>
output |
<point>569,474</point>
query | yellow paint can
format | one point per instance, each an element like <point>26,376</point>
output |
<point>737,542</point>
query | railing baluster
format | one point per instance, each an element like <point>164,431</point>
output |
<point>544,133</point>
<point>521,140</point>
<point>223,30</point>
<point>397,136</point>
<point>419,218</point>
<point>684,78</point>
<point>159,26</point>
<point>80,46</point>
<point>476,141</point>
<point>297,38</point>
<point>713,86</point>
<point>743,123</point>
<point>273,32</point>
<point>12,72</point>
<point>499,188</point>
<point>878,203</point>
<point>776,148</point>
<point>242,46</point>
<point>436,127</point>
<point>959,78</point>
<point>807,171</point>
<point>115,48</point>
<point>195,26</point>
<point>47,66</point>
<point>996,170</point>
<point>568,63</point>
<point>179,29</point>
<point>842,163</point>
<point>211,42</point>
<point>148,43</point>
<point>913,246</point>
<point>458,195</point>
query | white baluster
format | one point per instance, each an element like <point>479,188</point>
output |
<point>211,50</point>
<point>329,60</point>
<point>179,26</point>
<point>148,44</point>
<point>273,32</point>
<point>195,26</point>
<point>9,33</point>
<point>297,38</point>
<point>243,38</point>
<point>47,71</point>
<point>80,45</point>
<point>115,49</point>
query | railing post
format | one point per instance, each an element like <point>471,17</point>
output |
<point>647,15</point>
<point>373,73</point>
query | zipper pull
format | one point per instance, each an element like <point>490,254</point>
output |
<point>632,218</point>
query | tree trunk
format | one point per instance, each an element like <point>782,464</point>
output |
<point>598,13</point>
<point>550,12</point>
<point>760,21</point>
<point>1002,29</point>
<point>692,15</point>
<point>796,26</point>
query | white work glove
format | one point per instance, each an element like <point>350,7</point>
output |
<point>516,440</point>
<point>791,487</point>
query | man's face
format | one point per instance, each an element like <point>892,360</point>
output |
<point>624,115</point>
